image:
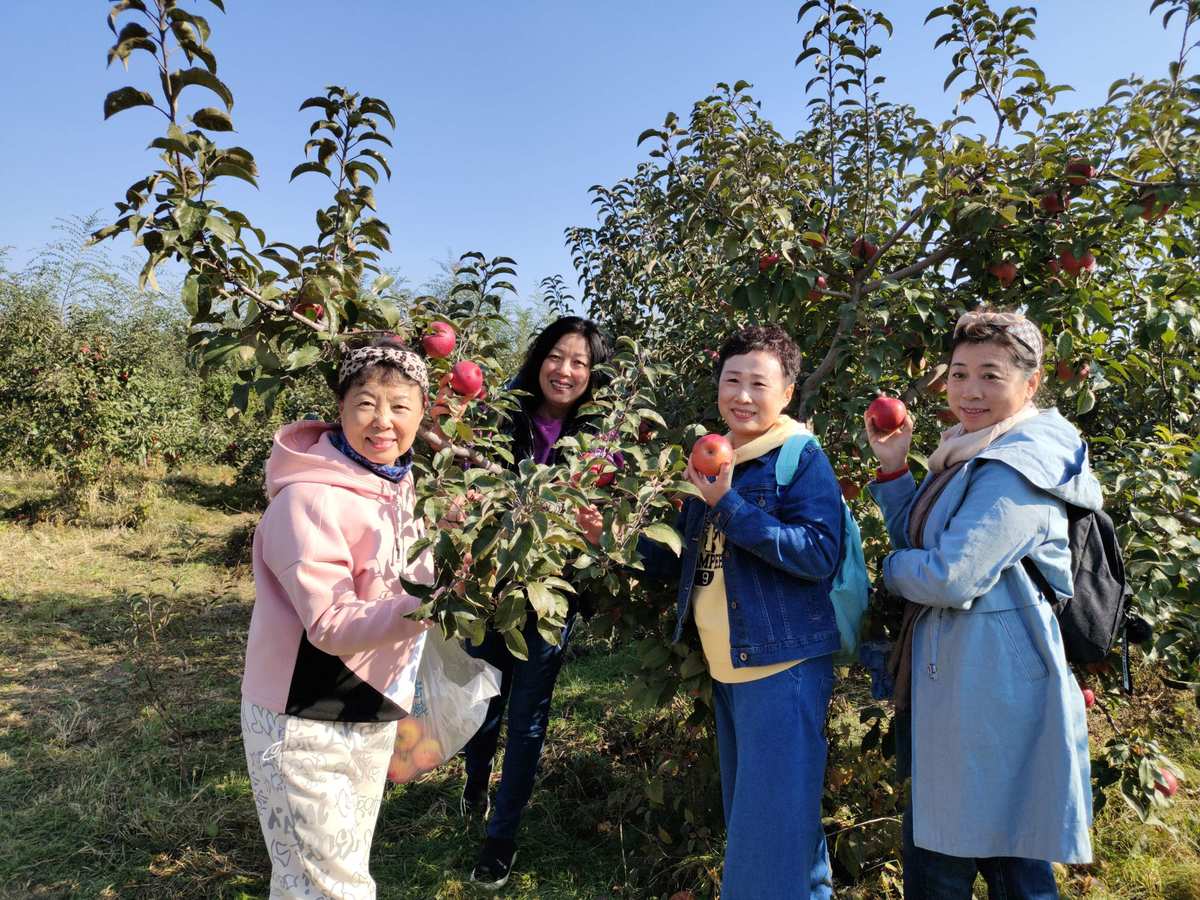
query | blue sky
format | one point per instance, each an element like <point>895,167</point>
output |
<point>506,112</point>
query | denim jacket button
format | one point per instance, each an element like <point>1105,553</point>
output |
<point>762,501</point>
<point>743,657</point>
<point>733,604</point>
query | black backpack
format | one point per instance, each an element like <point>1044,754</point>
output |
<point>1092,619</point>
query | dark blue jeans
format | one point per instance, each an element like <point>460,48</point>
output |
<point>526,687</point>
<point>929,875</point>
<point>771,741</point>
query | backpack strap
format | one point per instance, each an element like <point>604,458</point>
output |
<point>1040,582</point>
<point>789,457</point>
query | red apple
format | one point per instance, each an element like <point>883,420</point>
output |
<point>863,249</point>
<point>1166,783</point>
<point>1005,271</point>
<point>818,288</point>
<point>466,378</point>
<point>1054,203</point>
<point>1073,264</point>
<point>645,432</point>
<point>401,769</point>
<point>710,453</point>
<point>1064,372</point>
<point>1152,210</point>
<point>440,340</point>
<point>887,413</point>
<point>767,260</point>
<point>314,312</point>
<point>604,469</point>
<point>1079,172</point>
<point>1089,698</point>
<point>850,488</point>
<point>683,895</point>
<point>1053,265</point>
<point>816,241</point>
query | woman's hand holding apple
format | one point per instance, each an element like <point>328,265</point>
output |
<point>890,448</point>
<point>712,491</point>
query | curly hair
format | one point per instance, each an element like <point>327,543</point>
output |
<point>768,338</point>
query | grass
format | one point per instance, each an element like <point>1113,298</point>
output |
<point>121,762</point>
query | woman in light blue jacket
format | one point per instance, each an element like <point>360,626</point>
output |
<point>999,746</point>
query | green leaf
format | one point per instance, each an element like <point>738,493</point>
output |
<point>542,599</point>
<point>310,167</point>
<point>203,78</point>
<point>1086,402</point>
<point>515,642</point>
<point>664,534</point>
<point>125,98</point>
<point>212,119</point>
<point>190,292</point>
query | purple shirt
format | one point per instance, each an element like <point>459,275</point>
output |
<point>545,435</point>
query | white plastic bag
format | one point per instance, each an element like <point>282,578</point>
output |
<point>450,700</point>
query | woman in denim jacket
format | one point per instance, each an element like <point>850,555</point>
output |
<point>999,744</point>
<point>755,576</point>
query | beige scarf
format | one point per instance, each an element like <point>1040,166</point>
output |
<point>958,445</point>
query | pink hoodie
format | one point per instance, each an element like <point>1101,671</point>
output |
<point>328,635</point>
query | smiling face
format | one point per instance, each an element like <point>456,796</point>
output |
<point>751,393</point>
<point>985,387</point>
<point>380,418</point>
<point>564,375</point>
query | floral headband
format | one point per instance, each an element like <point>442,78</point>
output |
<point>405,360</point>
<point>1013,324</point>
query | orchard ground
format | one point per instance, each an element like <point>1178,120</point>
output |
<point>122,769</point>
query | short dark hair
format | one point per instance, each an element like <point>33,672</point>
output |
<point>768,338</point>
<point>383,371</point>
<point>526,378</point>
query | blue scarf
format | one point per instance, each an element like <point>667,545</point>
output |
<point>394,472</point>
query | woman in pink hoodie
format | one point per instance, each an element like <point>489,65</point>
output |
<point>329,638</point>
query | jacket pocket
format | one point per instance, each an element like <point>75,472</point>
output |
<point>1023,648</point>
<point>761,497</point>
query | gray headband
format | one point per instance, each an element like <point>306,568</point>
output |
<point>1013,324</point>
<point>405,360</point>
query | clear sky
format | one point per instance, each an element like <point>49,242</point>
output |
<point>506,112</point>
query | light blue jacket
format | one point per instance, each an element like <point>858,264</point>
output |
<point>999,730</point>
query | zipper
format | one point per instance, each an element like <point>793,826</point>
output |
<point>937,635</point>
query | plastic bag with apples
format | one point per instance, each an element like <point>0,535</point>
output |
<point>450,701</point>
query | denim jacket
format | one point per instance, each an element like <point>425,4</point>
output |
<point>782,548</point>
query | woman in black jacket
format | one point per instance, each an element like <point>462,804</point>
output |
<point>558,376</point>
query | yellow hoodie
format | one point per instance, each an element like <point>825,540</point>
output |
<point>709,601</point>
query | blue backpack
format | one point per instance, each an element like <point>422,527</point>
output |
<point>850,582</point>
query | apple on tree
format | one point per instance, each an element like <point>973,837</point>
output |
<point>863,250</point>
<point>439,341</point>
<point>818,288</point>
<point>466,379</point>
<point>1054,203</point>
<point>1005,272</point>
<point>1166,783</point>
<point>767,260</point>
<point>1080,172</point>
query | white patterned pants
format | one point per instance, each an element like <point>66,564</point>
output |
<point>317,786</point>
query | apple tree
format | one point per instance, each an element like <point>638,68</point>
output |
<point>871,230</point>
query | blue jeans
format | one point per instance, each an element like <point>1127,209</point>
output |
<point>771,740</point>
<point>929,875</point>
<point>526,687</point>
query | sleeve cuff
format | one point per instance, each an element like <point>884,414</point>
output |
<point>882,476</point>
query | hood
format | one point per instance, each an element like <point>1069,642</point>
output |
<point>1052,456</point>
<point>302,453</point>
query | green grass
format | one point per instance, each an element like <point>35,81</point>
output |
<point>121,764</point>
